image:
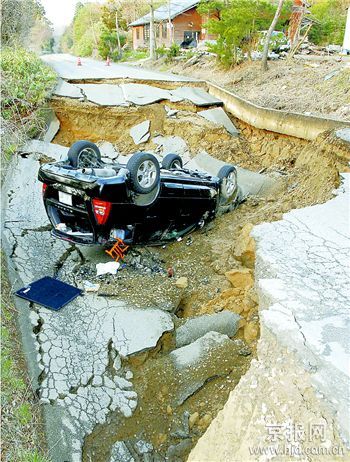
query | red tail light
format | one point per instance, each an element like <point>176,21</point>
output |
<point>101,210</point>
<point>44,188</point>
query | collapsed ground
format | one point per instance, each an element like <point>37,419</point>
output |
<point>217,261</point>
<point>308,87</point>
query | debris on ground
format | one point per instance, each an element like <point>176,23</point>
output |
<point>105,268</point>
<point>140,133</point>
<point>90,287</point>
<point>225,322</point>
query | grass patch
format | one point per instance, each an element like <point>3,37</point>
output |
<point>134,55</point>
<point>21,424</point>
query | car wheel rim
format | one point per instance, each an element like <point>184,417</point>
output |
<point>146,174</point>
<point>87,158</point>
<point>230,183</point>
<point>176,165</point>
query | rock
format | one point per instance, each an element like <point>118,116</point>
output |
<point>193,419</point>
<point>169,410</point>
<point>240,278</point>
<point>129,375</point>
<point>224,322</point>
<point>140,133</point>
<point>142,447</point>
<point>251,331</point>
<point>204,422</point>
<point>121,453</point>
<point>244,250</point>
<point>178,452</point>
<point>161,438</point>
<point>182,282</point>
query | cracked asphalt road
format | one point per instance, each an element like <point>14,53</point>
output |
<point>75,355</point>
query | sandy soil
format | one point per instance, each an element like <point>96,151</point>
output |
<point>299,86</point>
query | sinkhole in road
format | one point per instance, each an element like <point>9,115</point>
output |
<point>176,405</point>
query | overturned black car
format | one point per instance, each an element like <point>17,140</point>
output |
<point>92,202</point>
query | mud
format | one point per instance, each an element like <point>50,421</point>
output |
<point>309,172</point>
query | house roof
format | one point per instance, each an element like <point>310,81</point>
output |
<point>162,13</point>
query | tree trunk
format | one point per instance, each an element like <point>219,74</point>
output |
<point>264,65</point>
<point>151,33</point>
<point>170,24</point>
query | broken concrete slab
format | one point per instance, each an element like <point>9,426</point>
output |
<point>197,96</point>
<point>251,183</point>
<point>56,151</point>
<point>173,145</point>
<point>343,134</point>
<point>190,355</point>
<point>67,90</point>
<point>171,113</point>
<point>108,150</point>
<point>104,94</point>
<point>53,125</point>
<point>225,322</point>
<point>141,95</point>
<point>207,358</point>
<point>219,117</point>
<point>140,133</point>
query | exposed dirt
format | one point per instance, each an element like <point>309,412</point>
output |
<point>308,172</point>
<point>299,86</point>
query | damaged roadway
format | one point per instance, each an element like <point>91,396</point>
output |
<point>104,363</point>
<point>76,356</point>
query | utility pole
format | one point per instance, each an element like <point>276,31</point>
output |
<point>151,32</point>
<point>268,35</point>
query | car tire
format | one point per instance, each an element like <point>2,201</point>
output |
<point>144,172</point>
<point>172,162</point>
<point>84,154</point>
<point>228,177</point>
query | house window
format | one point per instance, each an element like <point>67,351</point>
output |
<point>164,30</point>
<point>137,33</point>
<point>146,31</point>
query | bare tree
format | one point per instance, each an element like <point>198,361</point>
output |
<point>264,65</point>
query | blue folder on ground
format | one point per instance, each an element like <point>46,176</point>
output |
<point>49,292</point>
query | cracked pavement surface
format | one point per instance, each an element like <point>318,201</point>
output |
<point>75,354</point>
<point>301,375</point>
<point>304,276</point>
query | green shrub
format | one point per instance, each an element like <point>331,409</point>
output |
<point>331,26</point>
<point>26,82</point>
<point>173,51</point>
<point>108,44</point>
<point>26,85</point>
<point>161,51</point>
